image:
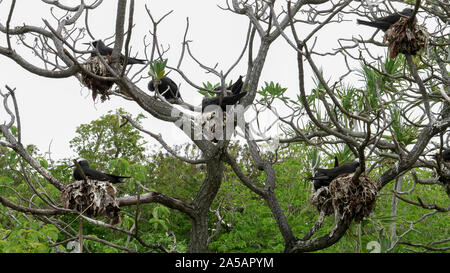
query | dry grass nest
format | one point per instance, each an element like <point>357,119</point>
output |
<point>98,86</point>
<point>406,38</point>
<point>343,196</point>
<point>92,198</point>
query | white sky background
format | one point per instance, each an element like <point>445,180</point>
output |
<point>51,109</point>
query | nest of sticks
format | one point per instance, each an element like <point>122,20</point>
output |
<point>98,86</point>
<point>92,198</point>
<point>345,197</point>
<point>406,38</point>
<point>212,125</point>
<point>215,128</point>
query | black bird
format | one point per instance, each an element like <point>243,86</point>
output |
<point>226,100</point>
<point>229,98</point>
<point>323,177</point>
<point>107,51</point>
<point>167,88</point>
<point>235,87</point>
<point>446,154</point>
<point>384,23</point>
<point>336,162</point>
<point>94,174</point>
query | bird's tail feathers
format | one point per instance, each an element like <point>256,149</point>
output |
<point>324,177</point>
<point>381,25</point>
<point>120,178</point>
<point>240,95</point>
<point>136,61</point>
<point>362,22</point>
<point>231,100</point>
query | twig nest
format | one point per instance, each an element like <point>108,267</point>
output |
<point>217,125</point>
<point>321,199</point>
<point>406,38</point>
<point>92,198</point>
<point>98,86</point>
<point>212,125</point>
<point>343,196</point>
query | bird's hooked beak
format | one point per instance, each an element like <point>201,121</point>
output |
<point>71,166</point>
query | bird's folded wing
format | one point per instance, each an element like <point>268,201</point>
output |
<point>231,100</point>
<point>96,175</point>
<point>322,177</point>
<point>118,176</point>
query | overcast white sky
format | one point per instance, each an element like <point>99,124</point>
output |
<point>51,109</point>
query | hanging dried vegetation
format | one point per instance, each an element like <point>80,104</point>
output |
<point>98,86</point>
<point>343,196</point>
<point>92,198</point>
<point>212,125</point>
<point>406,38</point>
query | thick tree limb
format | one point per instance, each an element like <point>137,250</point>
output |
<point>157,197</point>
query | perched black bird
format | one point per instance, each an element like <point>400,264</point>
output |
<point>384,23</point>
<point>231,98</point>
<point>336,162</point>
<point>235,87</point>
<point>226,100</point>
<point>167,88</point>
<point>107,51</point>
<point>323,177</point>
<point>446,154</point>
<point>94,174</point>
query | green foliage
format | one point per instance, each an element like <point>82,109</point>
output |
<point>106,139</point>
<point>14,130</point>
<point>319,85</point>
<point>272,91</point>
<point>372,94</point>
<point>250,224</point>
<point>208,86</point>
<point>43,162</point>
<point>160,218</point>
<point>405,134</point>
<point>30,237</point>
<point>157,69</point>
<point>350,98</point>
<point>392,67</point>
